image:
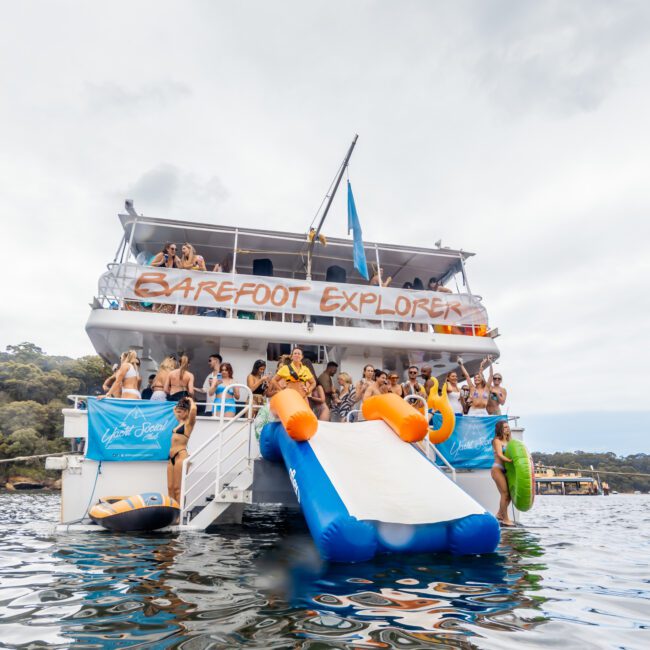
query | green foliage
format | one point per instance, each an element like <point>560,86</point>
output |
<point>33,389</point>
<point>608,462</point>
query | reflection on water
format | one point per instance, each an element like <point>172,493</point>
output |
<point>263,586</point>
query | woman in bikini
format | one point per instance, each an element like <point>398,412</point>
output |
<point>498,471</point>
<point>158,386</point>
<point>180,382</point>
<point>185,412</point>
<point>127,378</point>
<point>479,391</point>
<point>219,386</point>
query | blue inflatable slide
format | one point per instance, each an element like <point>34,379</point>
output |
<point>364,491</point>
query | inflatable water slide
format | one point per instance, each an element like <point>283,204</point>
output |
<point>364,488</point>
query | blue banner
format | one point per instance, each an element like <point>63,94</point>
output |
<point>129,429</point>
<point>470,445</point>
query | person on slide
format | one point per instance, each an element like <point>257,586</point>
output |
<point>296,374</point>
<point>185,412</point>
<point>498,471</point>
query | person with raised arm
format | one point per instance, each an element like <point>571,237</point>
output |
<point>479,390</point>
<point>185,413</point>
<point>219,386</point>
<point>167,257</point>
<point>498,471</point>
<point>258,381</point>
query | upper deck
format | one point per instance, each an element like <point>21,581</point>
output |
<point>263,294</point>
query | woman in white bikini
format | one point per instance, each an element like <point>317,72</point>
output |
<point>498,471</point>
<point>158,386</point>
<point>180,382</point>
<point>479,391</point>
<point>127,378</point>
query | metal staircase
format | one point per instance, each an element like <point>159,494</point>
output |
<point>218,476</point>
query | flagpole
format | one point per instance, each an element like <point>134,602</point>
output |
<point>313,237</point>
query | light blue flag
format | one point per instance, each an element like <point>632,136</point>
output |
<point>354,226</point>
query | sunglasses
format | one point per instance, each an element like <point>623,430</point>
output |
<point>413,373</point>
<point>497,378</point>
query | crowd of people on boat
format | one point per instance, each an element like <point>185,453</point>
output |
<point>332,395</point>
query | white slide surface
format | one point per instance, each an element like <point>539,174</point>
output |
<point>381,478</point>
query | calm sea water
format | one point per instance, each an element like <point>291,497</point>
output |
<point>578,576</point>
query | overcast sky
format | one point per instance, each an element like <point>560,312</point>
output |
<point>518,130</point>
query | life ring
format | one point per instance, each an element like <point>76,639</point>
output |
<point>149,511</point>
<point>441,404</point>
<point>520,474</point>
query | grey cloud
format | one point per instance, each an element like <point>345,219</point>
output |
<point>557,57</point>
<point>166,186</point>
<point>110,96</point>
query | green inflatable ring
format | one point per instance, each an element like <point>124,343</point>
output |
<point>521,475</point>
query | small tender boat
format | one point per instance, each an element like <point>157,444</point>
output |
<point>149,511</point>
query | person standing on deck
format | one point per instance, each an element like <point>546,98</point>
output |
<point>325,379</point>
<point>425,373</point>
<point>185,412</point>
<point>180,383</point>
<point>411,386</point>
<point>498,396</point>
<point>297,376</point>
<point>479,389</point>
<point>214,361</point>
<point>379,387</point>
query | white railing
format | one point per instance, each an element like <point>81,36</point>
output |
<point>429,448</point>
<point>222,457</point>
<point>80,403</point>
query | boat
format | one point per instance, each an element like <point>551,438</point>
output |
<point>548,482</point>
<point>272,290</point>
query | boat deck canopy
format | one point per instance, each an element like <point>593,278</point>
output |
<point>287,251</point>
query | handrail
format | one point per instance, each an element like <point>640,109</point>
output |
<point>409,398</point>
<point>429,445</point>
<point>199,456</point>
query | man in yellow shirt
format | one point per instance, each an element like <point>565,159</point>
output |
<point>296,375</point>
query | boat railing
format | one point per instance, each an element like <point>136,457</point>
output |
<point>112,295</point>
<point>222,456</point>
<point>80,403</point>
<point>432,452</point>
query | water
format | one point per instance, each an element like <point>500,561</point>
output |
<point>577,577</point>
